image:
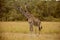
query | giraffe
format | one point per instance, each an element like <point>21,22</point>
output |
<point>31,19</point>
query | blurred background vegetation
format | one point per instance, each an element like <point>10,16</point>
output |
<point>44,10</point>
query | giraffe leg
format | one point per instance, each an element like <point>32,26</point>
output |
<point>39,27</point>
<point>39,30</point>
<point>31,27</point>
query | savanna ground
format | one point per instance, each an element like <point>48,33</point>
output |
<point>20,31</point>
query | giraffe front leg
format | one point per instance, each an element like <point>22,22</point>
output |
<point>31,27</point>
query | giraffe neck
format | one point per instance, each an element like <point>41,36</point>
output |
<point>25,12</point>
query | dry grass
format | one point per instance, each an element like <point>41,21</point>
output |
<point>20,31</point>
<point>19,36</point>
<point>23,27</point>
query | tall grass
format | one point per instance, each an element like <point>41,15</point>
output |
<point>23,27</point>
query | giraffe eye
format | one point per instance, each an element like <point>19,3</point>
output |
<point>25,11</point>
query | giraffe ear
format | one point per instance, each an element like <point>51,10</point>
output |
<point>15,0</point>
<point>27,19</point>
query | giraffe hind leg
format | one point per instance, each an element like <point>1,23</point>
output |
<point>39,27</point>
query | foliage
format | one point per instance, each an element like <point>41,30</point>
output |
<point>44,10</point>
